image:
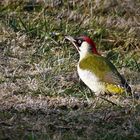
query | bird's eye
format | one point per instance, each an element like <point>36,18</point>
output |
<point>79,42</point>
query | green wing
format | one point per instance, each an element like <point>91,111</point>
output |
<point>103,68</point>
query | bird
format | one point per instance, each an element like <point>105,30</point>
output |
<point>96,71</point>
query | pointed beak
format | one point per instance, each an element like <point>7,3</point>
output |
<point>73,41</point>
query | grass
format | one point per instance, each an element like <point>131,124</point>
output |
<point>40,91</point>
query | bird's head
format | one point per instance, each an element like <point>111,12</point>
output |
<point>83,44</point>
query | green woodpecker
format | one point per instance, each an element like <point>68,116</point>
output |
<point>96,71</point>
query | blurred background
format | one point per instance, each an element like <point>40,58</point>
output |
<point>40,93</point>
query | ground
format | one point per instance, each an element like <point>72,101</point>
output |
<point>41,96</point>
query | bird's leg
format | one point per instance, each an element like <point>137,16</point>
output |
<point>92,93</point>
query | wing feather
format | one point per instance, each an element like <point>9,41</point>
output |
<point>104,69</point>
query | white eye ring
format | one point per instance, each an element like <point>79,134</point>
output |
<point>79,41</point>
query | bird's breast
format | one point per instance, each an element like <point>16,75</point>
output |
<point>91,80</point>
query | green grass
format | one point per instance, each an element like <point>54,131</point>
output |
<point>38,69</point>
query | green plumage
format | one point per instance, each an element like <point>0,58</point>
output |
<point>102,68</point>
<point>97,72</point>
<point>99,65</point>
